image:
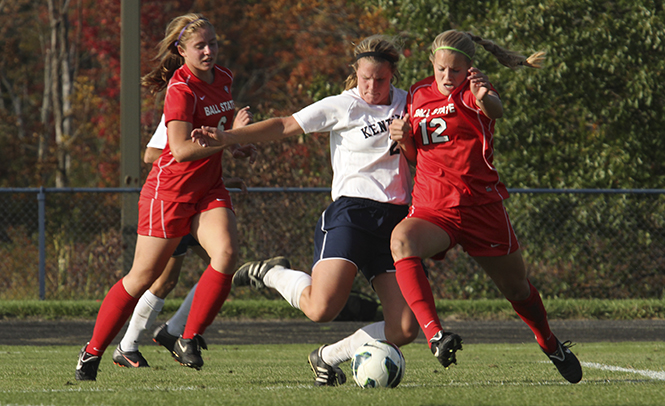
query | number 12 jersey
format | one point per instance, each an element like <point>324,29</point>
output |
<point>455,142</point>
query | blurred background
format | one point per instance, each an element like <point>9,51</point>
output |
<point>580,144</point>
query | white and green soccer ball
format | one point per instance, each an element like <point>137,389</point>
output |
<point>378,364</point>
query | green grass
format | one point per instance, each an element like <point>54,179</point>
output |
<point>485,309</point>
<point>487,374</point>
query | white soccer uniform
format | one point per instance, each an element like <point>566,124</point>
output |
<point>365,162</point>
<point>158,139</point>
<point>368,165</point>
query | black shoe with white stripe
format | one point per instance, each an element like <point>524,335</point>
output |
<point>86,368</point>
<point>444,346</point>
<point>188,351</point>
<point>252,273</point>
<point>566,362</point>
<point>326,375</point>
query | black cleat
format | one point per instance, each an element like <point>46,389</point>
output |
<point>326,375</point>
<point>162,337</point>
<point>188,352</point>
<point>86,369</point>
<point>444,346</point>
<point>129,359</point>
<point>566,362</point>
<point>252,273</point>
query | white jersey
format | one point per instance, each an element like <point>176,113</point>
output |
<point>158,139</point>
<point>365,162</point>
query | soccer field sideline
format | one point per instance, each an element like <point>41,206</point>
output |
<point>656,375</point>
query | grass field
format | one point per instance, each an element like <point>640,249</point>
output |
<point>487,374</point>
<point>480,309</point>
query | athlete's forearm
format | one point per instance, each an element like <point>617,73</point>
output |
<point>151,154</point>
<point>491,105</point>
<point>268,130</point>
<point>190,151</point>
<point>409,150</point>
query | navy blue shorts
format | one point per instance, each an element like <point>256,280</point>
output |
<point>186,242</point>
<point>358,230</point>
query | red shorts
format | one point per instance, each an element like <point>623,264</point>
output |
<point>482,231</point>
<point>159,218</point>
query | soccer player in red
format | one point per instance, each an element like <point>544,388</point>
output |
<point>184,193</point>
<point>150,304</point>
<point>457,195</point>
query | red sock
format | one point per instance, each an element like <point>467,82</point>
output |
<point>418,294</point>
<point>211,292</point>
<point>534,315</point>
<point>116,308</point>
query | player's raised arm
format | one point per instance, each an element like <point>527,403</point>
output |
<point>267,130</point>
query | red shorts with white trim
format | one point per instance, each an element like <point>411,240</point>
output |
<point>482,231</point>
<point>159,218</point>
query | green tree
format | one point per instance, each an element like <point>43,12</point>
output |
<point>591,117</point>
<point>21,121</point>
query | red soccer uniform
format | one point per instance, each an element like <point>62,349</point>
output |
<point>190,99</point>
<point>455,146</point>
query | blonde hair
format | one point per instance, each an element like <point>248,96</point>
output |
<point>377,49</point>
<point>464,42</point>
<point>177,34</point>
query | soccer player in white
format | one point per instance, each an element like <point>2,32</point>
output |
<point>370,193</point>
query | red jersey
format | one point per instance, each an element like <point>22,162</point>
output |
<point>455,143</point>
<point>192,100</point>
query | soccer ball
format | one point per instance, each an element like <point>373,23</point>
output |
<point>378,364</point>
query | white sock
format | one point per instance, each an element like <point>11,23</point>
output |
<point>176,324</point>
<point>145,313</point>
<point>288,282</point>
<point>344,349</point>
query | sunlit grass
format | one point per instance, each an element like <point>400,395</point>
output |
<point>487,374</point>
<point>481,309</point>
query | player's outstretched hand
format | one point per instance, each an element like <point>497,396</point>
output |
<point>244,152</point>
<point>243,117</point>
<point>235,183</point>
<point>209,137</point>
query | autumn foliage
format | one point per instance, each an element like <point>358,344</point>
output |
<point>590,119</point>
<point>284,55</point>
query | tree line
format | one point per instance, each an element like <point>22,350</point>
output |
<point>593,117</point>
<point>590,119</point>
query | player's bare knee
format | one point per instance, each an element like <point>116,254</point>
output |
<point>138,281</point>
<point>225,260</point>
<point>399,246</point>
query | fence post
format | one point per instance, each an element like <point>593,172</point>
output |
<point>41,202</point>
<point>130,122</point>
